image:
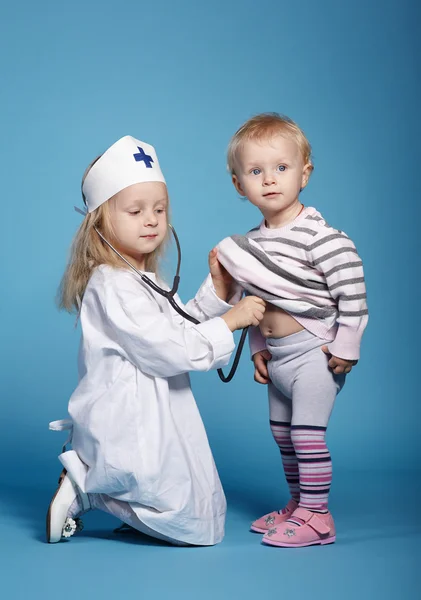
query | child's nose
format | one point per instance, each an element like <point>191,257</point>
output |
<point>151,220</point>
<point>268,178</point>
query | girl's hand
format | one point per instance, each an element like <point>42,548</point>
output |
<point>339,365</point>
<point>260,359</point>
<point>222,280</point>
<point>249,311</point>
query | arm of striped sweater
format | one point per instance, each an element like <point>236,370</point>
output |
<point>256,341</point>
<point>335,255</point>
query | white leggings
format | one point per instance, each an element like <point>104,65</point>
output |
<point>303,388</point>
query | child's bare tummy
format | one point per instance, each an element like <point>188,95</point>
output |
<point>277,323</point>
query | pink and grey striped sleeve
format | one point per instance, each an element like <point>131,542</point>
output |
<point>256,341</point>
<point>334,254</point>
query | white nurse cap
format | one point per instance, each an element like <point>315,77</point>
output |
<point>126,162</point>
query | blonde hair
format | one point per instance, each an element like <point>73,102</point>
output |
<point>265,126</point>
<point>88,251</point>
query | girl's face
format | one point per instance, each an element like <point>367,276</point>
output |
<point>139,220</point>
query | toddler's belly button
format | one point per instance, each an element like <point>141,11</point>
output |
<point>277,323</point>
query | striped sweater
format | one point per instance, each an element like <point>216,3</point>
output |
<point>310,270</point>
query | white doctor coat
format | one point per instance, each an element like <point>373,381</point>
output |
<point>137,432</point>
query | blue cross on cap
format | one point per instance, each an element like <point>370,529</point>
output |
<point>142,157</point>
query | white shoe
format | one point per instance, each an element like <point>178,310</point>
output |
<point>58,524</point>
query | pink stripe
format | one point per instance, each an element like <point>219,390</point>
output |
<point>304,432</point>
<point>307,442</point>
<point>310,446</point>
<point>315,474</point>
<point>305,438</point>
<point>317,468</point>
<point>309,476</point>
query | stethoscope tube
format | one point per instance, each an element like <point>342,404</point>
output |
<point>169,295</point>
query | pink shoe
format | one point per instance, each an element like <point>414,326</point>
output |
<point>274,518</point>
<point>317,529</point>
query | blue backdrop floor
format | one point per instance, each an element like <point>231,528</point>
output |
<point>377,553</point>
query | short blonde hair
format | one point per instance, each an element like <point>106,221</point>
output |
<point>88,251</point>
<point>265,126</point>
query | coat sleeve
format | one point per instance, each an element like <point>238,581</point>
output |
<point>207,305</point>
<point>156,343</point>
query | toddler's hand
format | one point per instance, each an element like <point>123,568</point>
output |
<point>249,311</point>
<point>222,280</point>
<point>339,365</point>
<point>260,360</point>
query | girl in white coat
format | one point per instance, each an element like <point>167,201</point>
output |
<point>139,447</point>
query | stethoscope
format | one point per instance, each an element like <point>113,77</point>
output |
<point>169,295</point>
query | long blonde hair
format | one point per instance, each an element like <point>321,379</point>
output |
<point>88,251</point>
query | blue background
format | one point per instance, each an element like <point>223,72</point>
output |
<point>184,76</point>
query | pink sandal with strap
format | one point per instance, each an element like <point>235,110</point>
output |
<point>318,529</point>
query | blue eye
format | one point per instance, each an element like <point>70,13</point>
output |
<point>281,167</point>
<point>256,171</point>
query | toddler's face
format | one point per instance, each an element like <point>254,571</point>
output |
<point>271,173</point>
<point>139,219</point>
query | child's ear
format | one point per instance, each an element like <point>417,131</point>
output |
<point>307,170</point>
<point>237,185</point>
